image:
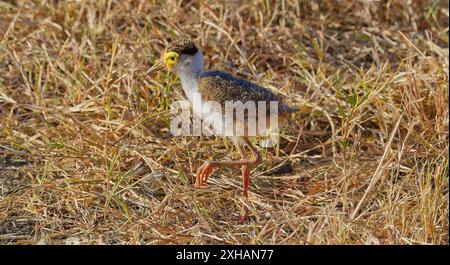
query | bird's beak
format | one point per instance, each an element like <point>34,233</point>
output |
<point>156,67</point>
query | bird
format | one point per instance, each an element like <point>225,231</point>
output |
<point>183,57</point>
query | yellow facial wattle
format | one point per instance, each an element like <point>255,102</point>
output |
<point>170,58</point>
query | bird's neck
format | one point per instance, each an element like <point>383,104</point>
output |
<point>189,82</point>
<point>189,73</point>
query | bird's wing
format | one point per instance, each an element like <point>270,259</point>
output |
<point>221,87</point>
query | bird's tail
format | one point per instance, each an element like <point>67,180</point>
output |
<point>287,109</point>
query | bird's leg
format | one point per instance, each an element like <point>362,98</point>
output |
<point>206,169</point>
<point>245,175</point>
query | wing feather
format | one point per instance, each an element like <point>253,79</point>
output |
<point>221,87</point>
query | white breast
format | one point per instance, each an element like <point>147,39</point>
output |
<point>208,112</point>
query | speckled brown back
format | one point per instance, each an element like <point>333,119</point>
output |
<point>221,87</point>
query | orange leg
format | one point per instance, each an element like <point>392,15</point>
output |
<point>244,210</point>
<point>206,169</point>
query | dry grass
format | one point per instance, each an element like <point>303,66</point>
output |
<point>85,148</point>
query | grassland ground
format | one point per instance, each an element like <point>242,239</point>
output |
<point>86,153</point>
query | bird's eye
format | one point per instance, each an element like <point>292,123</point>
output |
<point>172,58</point>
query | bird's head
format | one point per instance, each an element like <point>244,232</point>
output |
<point>180,56</point>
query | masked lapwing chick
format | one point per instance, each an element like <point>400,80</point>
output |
<point>213,95</point>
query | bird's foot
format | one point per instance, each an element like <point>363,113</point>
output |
<point>203,173</point>
<point>243,218</point>
<point>244,213</point>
